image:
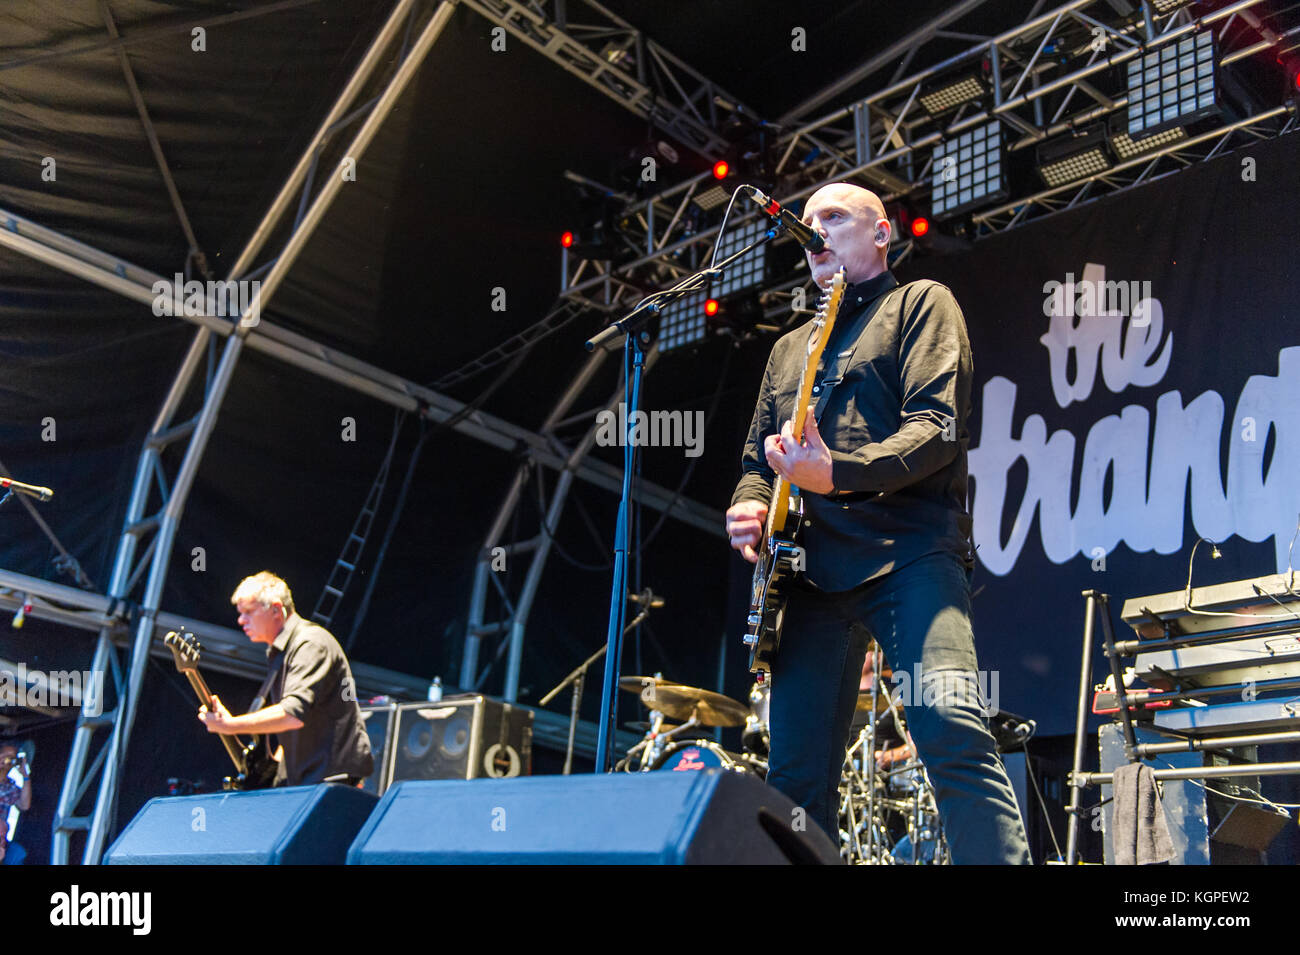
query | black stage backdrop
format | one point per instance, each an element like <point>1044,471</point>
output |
<point>1108,435</point>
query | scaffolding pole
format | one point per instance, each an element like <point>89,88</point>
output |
<point>164,524</point>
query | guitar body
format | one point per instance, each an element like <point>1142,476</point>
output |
<point>778,562</point>
<point>255,767</point>
<point>261,767</point>
<point>780,557</point>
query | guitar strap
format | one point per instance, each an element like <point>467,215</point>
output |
<point>260,700</point>
<point>836,367</point>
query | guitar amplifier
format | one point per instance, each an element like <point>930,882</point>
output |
<point>460,737</point>
<point>379,718</point>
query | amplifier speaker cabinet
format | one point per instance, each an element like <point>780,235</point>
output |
<point>379,719</point>
<point>460,737</point>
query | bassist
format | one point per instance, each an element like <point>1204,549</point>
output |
<point>881,470</point>
<point>312,702</point>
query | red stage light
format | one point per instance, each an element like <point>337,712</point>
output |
<point>1291,64</point>
<point>566,240</point>
<point>920,226</point>
<point>720,169</point>
<point>711,307</point>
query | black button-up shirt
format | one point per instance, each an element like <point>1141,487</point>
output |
<point>315,685</point>
<point>896,423</point>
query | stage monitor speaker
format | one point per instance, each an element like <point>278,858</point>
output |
<point>460,737</point>
<point>297,825</point>
<point>708,817</point>
<point>379,719</point>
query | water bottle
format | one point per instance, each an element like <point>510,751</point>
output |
<point>435,690</point>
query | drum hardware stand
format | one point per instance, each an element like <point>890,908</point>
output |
<point>656,739</point>
<point>578,677</point>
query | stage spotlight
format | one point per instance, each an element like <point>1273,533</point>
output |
<point>1127,147</point>
<point>711,307</point>
<point>1290,62</point>
<point>566,240</point>
<point>947,93</point>
<point>1073,157</point>
<point>1173,86</point>
<point>967,171</point>
<point>720,169</point>
<point>920,226</point>
<point>683,323</point>
<point>1162,7</point>
<point>747,270</point>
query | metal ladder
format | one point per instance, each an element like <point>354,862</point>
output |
<point>350,556</point>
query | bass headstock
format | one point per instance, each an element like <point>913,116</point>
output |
<point>185,649</point>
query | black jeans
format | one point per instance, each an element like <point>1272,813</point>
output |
<point>920,616</point>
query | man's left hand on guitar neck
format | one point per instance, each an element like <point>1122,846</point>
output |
<point>806,465</point>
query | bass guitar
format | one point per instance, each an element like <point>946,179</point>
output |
<point>779,555</point>
<point>254,766</point>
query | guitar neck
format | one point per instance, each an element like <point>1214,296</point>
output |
<point>234,748</point>
<point>819,332</point>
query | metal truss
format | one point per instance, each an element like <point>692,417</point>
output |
<point>158,496</point>
<point>497,553</point>
<point>616,58</point>
<point>157,523</point>
<point>1168,160</point>
<point>1042,80</point>
<point>318,359</point>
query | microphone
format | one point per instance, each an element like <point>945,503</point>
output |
<point>40,493</point>
<point>647,598</point>
<point>803,234</point>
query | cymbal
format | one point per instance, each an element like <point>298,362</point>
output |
<point>882,702</point>
<point>683,702</point>
<point>635,684</point>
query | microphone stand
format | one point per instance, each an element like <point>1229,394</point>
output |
<point>578,677</point>
<point>632,325</point>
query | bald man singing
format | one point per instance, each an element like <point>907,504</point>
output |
<point>887,543</point>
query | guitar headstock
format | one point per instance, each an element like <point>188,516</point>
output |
<point>828,307</point>
<point>185,650</point>
<point>829,304</point>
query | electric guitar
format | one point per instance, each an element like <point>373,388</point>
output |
<point>254,767</point>
<point>779,556</point>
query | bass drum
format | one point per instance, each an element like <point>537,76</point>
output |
<point>690,756</point>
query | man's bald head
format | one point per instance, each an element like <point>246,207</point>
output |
<point>853,221</point>
<point>864,200</point>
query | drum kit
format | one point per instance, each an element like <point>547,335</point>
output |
<point>678,747</point>
<point>888,814</point>
<point>887,810</point>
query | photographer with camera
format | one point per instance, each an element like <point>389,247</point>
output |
<point>11,793</point>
